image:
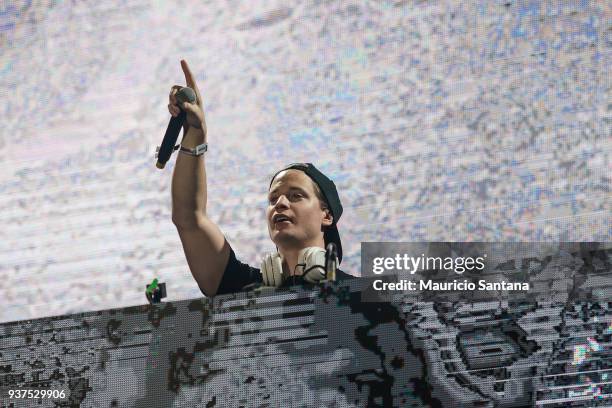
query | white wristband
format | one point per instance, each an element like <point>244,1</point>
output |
<point>198,151</point>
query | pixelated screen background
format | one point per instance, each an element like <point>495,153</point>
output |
<point>438,120</point>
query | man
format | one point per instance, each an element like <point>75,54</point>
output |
<point>303,209</point>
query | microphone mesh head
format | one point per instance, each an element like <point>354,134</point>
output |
<point>186,94</point>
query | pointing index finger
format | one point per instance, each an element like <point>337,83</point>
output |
<point>190,79</point>
<point>188,75</point>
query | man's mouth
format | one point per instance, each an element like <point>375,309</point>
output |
<point>281,219</point>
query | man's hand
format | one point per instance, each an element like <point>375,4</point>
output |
<point>194,111</point>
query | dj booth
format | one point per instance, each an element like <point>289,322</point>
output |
<point>321,346</point>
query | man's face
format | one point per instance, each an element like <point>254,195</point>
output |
<point>294,213</point>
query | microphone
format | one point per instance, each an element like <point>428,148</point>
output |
<point>164,151</point>
<point>331,261</point>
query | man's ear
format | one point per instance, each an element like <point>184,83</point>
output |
<point>328,218</point>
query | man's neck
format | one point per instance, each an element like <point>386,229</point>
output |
<point>290,260</point>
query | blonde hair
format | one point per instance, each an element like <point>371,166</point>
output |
<point>319,195</point>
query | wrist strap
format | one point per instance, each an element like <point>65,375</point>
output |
<point>198,151</point>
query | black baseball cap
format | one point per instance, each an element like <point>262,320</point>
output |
<point>330,194</point>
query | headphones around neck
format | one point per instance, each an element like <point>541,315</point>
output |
<point>312,262</point>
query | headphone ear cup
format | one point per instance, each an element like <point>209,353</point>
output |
<point>313,261</point>
<point>266,270</point>
<point>272,270</point>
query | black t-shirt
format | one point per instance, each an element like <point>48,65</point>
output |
<point>239,277</point>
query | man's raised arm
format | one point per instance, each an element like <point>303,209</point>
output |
<point>205,247</point>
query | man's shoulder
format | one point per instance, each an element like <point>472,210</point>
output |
<point>237,276</point>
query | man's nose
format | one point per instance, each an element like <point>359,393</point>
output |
<point>282,202</point>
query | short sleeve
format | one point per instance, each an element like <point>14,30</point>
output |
<point>237,276</point>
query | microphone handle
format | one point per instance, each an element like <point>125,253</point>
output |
<point>167,147</point>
